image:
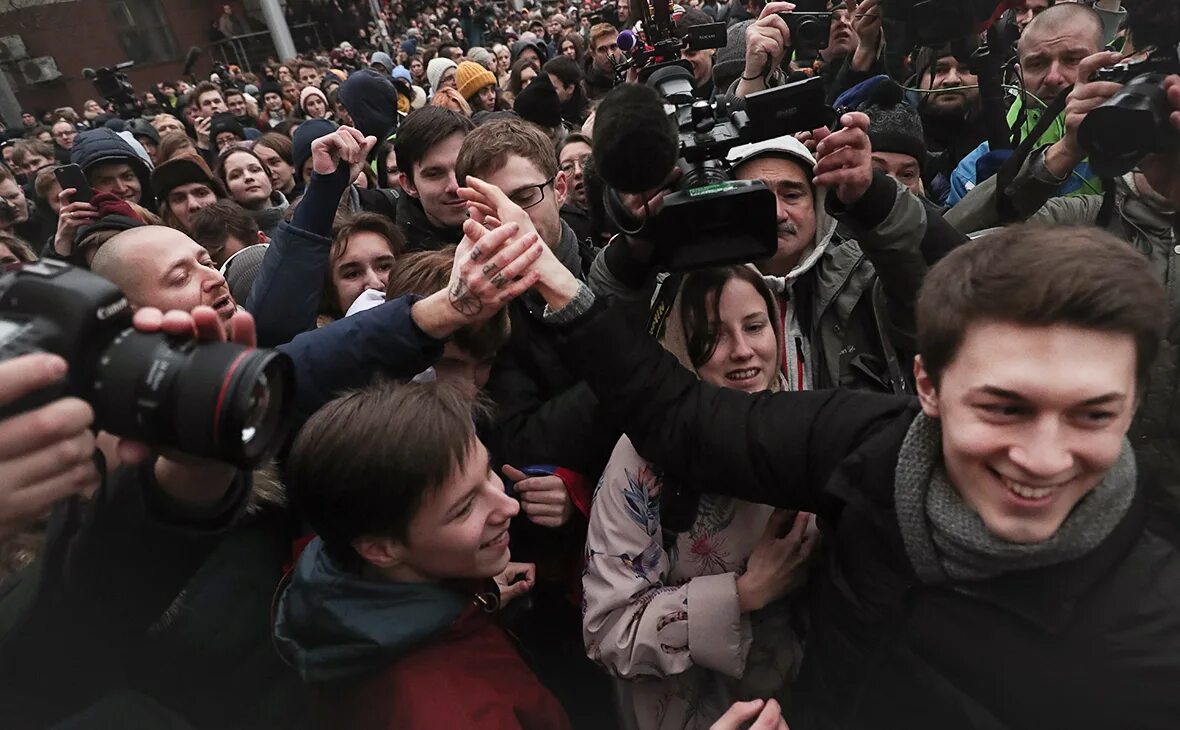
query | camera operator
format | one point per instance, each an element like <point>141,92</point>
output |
<point>701,60</point>
<point>1050,51</point>
<point>1145,205</point>
<point>827,291</point>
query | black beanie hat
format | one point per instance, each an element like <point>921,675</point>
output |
<point>894,126</point>
<point>225,122</point>
<point>269,86</point>
<point>538,103</point>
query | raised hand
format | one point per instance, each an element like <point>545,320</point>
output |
<point>492,267</point>
<point>72,217</point>
<point>844,159</point>
<point>346,145</point>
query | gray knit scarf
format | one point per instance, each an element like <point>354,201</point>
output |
<point>946,540</point>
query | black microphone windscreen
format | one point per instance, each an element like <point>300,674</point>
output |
<point>635,143</point>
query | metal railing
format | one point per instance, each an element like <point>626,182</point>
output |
<point>250,51</point>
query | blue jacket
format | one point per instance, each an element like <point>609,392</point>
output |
<point>95,147</point>
<point>347,353</point>
<point>285,298</point>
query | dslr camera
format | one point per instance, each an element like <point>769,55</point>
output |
<point>215,400</point>
<point>1133,123</point>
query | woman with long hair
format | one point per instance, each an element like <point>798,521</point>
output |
<point>247,180</point>
<point>685,590</point>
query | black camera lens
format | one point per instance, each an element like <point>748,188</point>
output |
<point>216,400</point>
<point>810,33</point>
<point>1129,126</point>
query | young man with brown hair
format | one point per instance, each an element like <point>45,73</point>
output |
<point>544,416</point>
<point>389,615</point>
<point>991,559</point>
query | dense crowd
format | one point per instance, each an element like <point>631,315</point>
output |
<point>919,466</point>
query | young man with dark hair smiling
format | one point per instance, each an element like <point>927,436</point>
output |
<point>992,561</point>
<point>412,526</point>
<point>431,212</point>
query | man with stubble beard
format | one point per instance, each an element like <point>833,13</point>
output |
<point>950,116</point>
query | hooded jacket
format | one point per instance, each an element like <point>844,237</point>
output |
<point>1155,433</point>
<point>371,101</point>
<point>100,146</point>
<point>403,655</point>
<point>847,306</point>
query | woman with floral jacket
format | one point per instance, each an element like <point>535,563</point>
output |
<point>676,587</point>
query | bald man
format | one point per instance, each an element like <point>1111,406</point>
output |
<point>1050,50</point>
<point>161,267</point>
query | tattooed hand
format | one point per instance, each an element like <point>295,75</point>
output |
<point>492,267</point>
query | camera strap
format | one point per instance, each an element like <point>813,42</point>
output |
<point>1004,205</point>
<point>667,287</point>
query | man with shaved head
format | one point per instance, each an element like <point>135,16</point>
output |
<point>1050,50</point>
<point>161,267</point>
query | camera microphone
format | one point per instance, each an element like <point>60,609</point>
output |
<point>635,143</point>
<point>89,74</point>
<point>627,41</point>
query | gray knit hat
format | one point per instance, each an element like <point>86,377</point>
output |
<point>482,56</point>
<point>730,60</point>
<point>894,125</point>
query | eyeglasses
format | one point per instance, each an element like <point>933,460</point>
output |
<point>532,195</point>
<point>574,163</point>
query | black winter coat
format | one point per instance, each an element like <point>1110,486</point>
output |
<point>1094,643</point>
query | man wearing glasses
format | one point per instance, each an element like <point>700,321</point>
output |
<point>572,155</point>
<point>63,139</point>
<point>544,414</point>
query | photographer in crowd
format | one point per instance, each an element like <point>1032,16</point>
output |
<point>1141,211</point>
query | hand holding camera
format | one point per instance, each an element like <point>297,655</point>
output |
<point>1162,170</point>
<point>188,479</point>
<point>73,216</point>
<point>46,454</point>
<point>1086,96</point>
<point>767,41</point>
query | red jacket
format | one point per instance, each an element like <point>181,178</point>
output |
<point>470,677</point>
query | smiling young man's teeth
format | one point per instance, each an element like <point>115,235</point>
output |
<point>742,374</point>
<point>1025,491</point>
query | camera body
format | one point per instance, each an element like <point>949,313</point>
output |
<point>1133,123</point>
<point>810,32</point>
<point>215,400</point>
<point>115,87</point>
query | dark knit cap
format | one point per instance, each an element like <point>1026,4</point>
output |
<point>305,134</point>
<point>730,61</point>
<point>182,170</point>
<point>225,122</point>
<point>894,126</point>
<point>269,87</point>
<point>141,128</point>
<point>242,269</point>
<point>538,103</point>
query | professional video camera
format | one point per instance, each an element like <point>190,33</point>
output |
<point>115,87</point>
<point>216,400</point>
<point>1133,123</point>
